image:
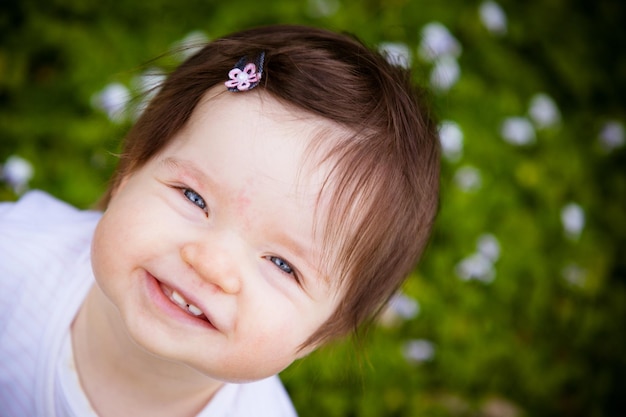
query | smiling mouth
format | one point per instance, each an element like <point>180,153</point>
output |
<point>177,299</point>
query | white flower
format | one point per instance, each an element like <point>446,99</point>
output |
<point>451,137</point>
<point>479,265</point>
<point>17,172</point>
<point>518,131</point>
<point>418,350</point>
<point>612,136</point>
<point>112,100</point>
<point>543,111</point>
<point>476,266</point>
<point>488,246</point>
<point>445,73</point>
<point>493,17</point>
<point>573,220</point>
<point>396,53</point>
<point>440,47</point>
<point>149,80</point>
<point>468,178</point>
<point>322,8</point>
<point>190,44</point>
<point>148,84</point>
<point>437,42</point>
<point>400,307</point>
<point>404,306</point>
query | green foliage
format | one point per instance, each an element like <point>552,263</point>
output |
<point>544,336</point>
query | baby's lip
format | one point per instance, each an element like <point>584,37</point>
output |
<point>186,301</point>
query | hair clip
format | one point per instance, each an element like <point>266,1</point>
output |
<point>245,76</point>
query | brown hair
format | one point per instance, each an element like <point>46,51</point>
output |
<point>390,167</point>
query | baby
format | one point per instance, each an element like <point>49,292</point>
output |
<point>273,195</point>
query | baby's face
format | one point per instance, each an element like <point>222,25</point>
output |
<point>209,251</point>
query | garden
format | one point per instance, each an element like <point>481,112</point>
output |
<point>518,307</point>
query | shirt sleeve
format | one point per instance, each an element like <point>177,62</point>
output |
<point>35,233</point>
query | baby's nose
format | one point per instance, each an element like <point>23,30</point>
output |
<point>215,263</point>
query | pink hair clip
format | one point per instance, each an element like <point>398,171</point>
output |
<point>245,76</point>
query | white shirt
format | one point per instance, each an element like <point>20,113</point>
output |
<point>45,274</point>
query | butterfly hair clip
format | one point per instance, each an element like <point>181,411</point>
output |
<point>246,74</point>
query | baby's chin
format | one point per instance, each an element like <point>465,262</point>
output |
<point>241,373</point>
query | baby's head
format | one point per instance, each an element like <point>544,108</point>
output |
<point>377,201</point>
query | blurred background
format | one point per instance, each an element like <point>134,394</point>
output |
<point>519,305</point>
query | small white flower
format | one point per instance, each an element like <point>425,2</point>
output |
<point>573,220</point>
<point>400,307</point>
<point>17,172</point>
<point>112,100</point>
<point>488,246</point>
<point>322,8</point>
<point>396,53</point>
<point>612,136</point>
<point>493,17</point>
<point>468,178</point>
<point>518,131</point>
<point>148,85</point>
<point>418,350</point>
<point>543,111</point>
<point>451,137</point>
<point>404,306</point>
<point>149,80</point>
<point>190,44</point>
<point>437,41</point>
<point>445,73</point>
<point>476,266</point>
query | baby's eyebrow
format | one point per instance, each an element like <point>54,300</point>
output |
<point>187,168</point>
<point>297,249</point>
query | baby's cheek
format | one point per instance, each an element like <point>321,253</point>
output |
<point>99,258</point>
<point>107,247</point>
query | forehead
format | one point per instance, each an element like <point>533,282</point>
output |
<point>263,129</point>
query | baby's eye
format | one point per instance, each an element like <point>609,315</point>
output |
<point>281,264</point>
<point>195,198</point>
